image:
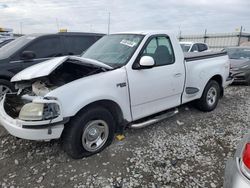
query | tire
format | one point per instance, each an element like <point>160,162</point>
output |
<point>210,97</point>
<point>248,81</point>
<point>80,135</point>
<point>5,87</point>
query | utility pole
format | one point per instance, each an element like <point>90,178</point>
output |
<point>57,25</point>
<point>109,23</point>
<point>205,36</point>
<point>180,33</point>
<point>21,28</point>
<point>240,34</point>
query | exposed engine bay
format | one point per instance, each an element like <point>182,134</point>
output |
<point>65,73</point>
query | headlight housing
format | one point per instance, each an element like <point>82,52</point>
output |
<point>39,111</point>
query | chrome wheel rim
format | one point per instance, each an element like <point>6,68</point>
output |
<point>95,135</point>
<point>211,96</point>
<point>3,90</point>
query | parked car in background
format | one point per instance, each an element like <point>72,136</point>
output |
<point>240,63</point>
<point>126,79</point>
<point>5,42</point>
<point>237,171</point>
<point>193,47</point>
<point>245,43</point>
<point>35,48</point>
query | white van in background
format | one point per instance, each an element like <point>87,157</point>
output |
<point>194,47</point>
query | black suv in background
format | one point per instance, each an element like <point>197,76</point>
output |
<point>35,48</point>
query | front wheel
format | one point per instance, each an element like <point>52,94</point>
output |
<point>89,132</point>
<point>210,97</point>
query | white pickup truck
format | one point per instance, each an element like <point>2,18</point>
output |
<point>124,80</point>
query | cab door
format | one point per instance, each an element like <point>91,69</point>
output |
<point>160,87</point>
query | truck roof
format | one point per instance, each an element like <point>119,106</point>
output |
<point>184,42</point>
<point>149,32</point>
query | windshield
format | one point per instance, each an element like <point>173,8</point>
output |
<point>114,50</point>
<point>238,53</point>
<point>10,48</point>
<point>185,47</point>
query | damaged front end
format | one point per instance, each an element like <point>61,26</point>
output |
<point>29,108</point>
<point>32,119</point>
<point>39,82</point>
<point>29,113</point>
<point>21,105</point>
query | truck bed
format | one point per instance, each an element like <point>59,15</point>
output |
<point>193,56</point>
<point>201,67</point>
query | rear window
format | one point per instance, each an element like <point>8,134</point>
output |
<point>75,45</point>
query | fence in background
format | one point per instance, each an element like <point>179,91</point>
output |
<point>218,41</point>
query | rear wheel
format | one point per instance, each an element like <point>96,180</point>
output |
<point>210,97</point>
<point>248,81</point>
<point>5,87</point>
<point>89,132</point>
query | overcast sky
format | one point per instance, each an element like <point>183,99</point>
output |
<point>189,16</point>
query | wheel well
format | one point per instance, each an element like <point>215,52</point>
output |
<point>218,79</point>
<point>5,78</point>
<point>113,108</point>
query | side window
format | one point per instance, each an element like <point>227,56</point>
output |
<point>151,47</point>
<point>160,49</point>
<point>46,47</point>
<point>194,48</point>
<point>202,47</point>
<point>78,44</point>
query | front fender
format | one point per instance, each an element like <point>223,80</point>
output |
<point>111,85</point>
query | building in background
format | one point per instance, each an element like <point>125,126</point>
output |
<point>218,41</point>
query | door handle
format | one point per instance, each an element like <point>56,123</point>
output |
<point>177,75</point>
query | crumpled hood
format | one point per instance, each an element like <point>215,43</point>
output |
<point>47,67</point>
<point>237,63</point>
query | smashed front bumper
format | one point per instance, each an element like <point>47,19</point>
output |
<point>31,130</point>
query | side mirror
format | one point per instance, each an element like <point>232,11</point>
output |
<point>146,62</point>
<point>28,55</point>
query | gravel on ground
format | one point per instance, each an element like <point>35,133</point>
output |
<point>187,150</point>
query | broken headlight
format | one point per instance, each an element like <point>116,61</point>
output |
<point>39,111</point>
